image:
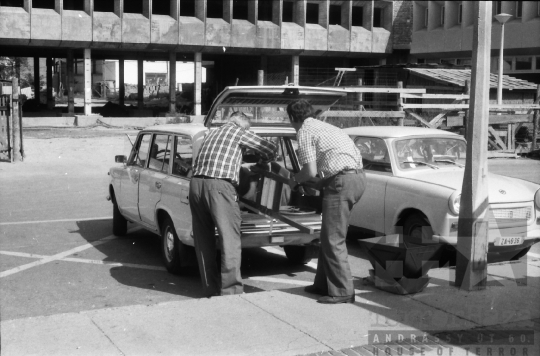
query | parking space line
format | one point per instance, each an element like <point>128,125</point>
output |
<point>53,221</point>
<point>59,256</point>
<point>532,254</point>
<point>85,260</point>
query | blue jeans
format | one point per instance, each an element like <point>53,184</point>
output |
<point>340,194</point>
<point>214,204</point>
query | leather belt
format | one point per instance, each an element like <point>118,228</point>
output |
<point>208,177</point>
<point>351,171</point>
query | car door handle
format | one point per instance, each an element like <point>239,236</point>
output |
<point>158,185</point>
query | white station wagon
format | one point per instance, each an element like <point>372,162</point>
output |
<point>414,185</point>
<point>151,186</point>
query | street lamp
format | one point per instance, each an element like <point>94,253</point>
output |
<point>502,18</point>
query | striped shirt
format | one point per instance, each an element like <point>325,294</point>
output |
<point>331,148</point>
<point>220,155</point>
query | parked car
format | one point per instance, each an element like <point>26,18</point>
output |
<point>151,186</point>
<point>414,179</point>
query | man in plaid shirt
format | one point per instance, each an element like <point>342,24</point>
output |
<point>214,202</point>
<point>326,150</point>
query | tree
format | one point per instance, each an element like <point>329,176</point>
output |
<point>16,67</point>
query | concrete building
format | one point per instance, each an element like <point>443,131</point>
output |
<point>442,33</point>
<point>236,38</point>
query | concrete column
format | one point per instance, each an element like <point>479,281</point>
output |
<point>264,67</point>
<point>172,82</point>
<point>70,82</point>
<point>37,85</point>
<point>87,81</point>
<point>472,241</point>
<point>198,83</point>
<point>50,98</point>
<point>140,83</point>
<point>295,72</point>
<point>121,84</point>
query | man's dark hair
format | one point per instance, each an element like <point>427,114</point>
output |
<point>300,110</point>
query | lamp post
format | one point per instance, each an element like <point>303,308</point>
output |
<point>502,18</point>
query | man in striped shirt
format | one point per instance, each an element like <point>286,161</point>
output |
<point>214,201</point>
<point>326,150</point>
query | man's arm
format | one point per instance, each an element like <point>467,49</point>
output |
<point>307,173</point>
<point>267,149</point>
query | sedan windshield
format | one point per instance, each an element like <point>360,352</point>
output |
<point>429,152</point>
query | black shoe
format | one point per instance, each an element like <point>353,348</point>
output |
<point>336,300</point>
<point>314,290</point>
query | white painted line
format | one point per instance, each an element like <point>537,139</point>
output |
<point>280,280</point>
<point>58,256</point>
<point>84,260</point>
<point>532,254</point>
<point>53,221</point>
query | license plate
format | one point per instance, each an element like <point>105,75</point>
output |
<point>277,239</point>
<point>508,241</point>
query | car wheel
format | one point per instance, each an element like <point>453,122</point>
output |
<point>417,230</point>
<point>119,221</point>
<point>300,254</point>
<point>171,248</point>
<point>521,253</point>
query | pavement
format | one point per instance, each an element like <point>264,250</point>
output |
<point>503,319</point>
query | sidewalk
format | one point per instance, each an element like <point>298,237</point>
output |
<point>290,322</point>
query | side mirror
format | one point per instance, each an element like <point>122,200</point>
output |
<point>120,159</point>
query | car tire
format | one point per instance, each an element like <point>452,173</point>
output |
<point>119,221</point>
<point>171,248</point>
<point>300,254</point>
<point>417,230</point>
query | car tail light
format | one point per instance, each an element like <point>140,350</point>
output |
<point>537,199</point>
<point>454,203</point>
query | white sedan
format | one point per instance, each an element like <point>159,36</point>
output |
<point>414,185</point>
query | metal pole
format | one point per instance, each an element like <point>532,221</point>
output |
<point>500,79</point>
<point>535,120</point>
<point>17,156</point>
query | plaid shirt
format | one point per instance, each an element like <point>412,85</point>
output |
<point>220,155</point>
<point>327,145</point>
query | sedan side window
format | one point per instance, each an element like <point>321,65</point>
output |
<point>183,157</point>
<point>374,153</point>
<point>160,153</point>
<point>139,153</point>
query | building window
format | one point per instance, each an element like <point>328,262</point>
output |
<point>537,63</point>
<point>507,64</point>
<point>498,7</point>
<point>77,5</point>
<point>43,4</point>
<point>460,14</point>
<point>161,7</point>
<point>133,6</point>
<point>312,13</point>
<point>187,8</point>
<point>519,9</point>
<point>288,11</point>
<point>240,9</point>
<point>357,16</point>
<point>523,63</point>
<point>442,15</point>
<point>426,15</point>
<point>378,17</point>
<point>214,9</point>
<point>334,17</point>
<point>463,62</point>
<point>103,6</point>
<point>12,3</point>
<point>265,10</point>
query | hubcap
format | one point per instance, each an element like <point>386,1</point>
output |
<point>169,243</point>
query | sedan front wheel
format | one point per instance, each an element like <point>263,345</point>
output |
<point>417,230</point>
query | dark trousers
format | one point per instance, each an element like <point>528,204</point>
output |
<point>340,194</point>
<point>213,204</point>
